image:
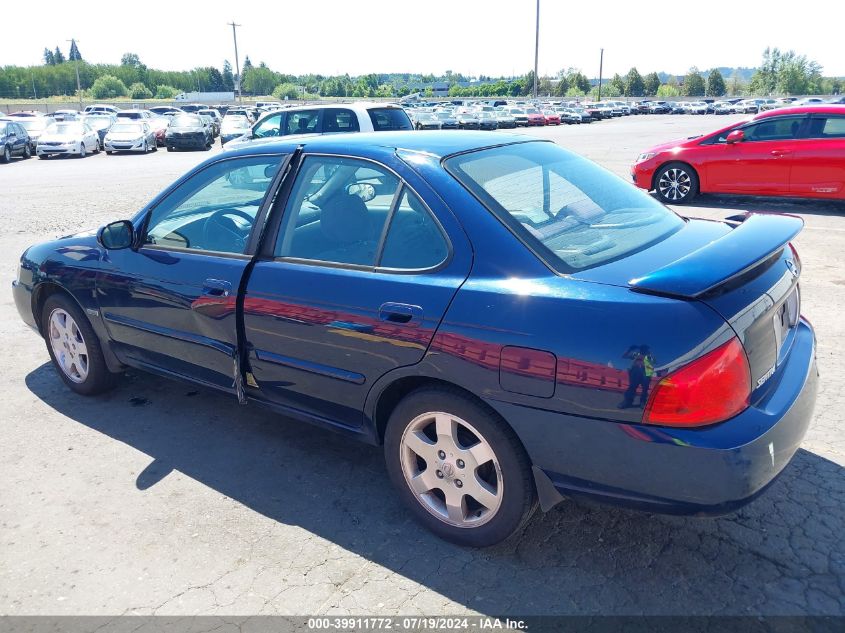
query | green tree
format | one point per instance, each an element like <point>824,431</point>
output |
<point>259,81</point>
<point>166,92</point>
<point>58,57</point>
<point>107,87</point>
<point>74,54</point>
<point>651,84</point>
<point>48,57</point>
<point>668,90</point>
<point>736,87</point>
<point>715,84</point>
<point>634,84</point>
<point>616,86</point>
<point>139,91</point>
<point>285,90</point>
<point>228,77</point>
<point>131,59</point>
<point>694,83</point>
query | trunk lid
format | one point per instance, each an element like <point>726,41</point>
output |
<point>745,270</point>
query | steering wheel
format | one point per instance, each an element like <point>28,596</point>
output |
<point>221,233</point>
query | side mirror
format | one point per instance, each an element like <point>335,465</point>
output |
<point>116,235</point>
<point>737,136</point>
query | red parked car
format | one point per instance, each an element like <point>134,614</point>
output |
<point>551,117</point>
<point>535,117</point>
<point>798,151</point>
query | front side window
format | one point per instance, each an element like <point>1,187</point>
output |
<point>571,212</point>
<point>303,122</point>
<point>215,209</point>
<point>337,211</point>
<point>773,129</point>
<point>271,126</point>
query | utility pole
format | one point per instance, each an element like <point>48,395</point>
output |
<point>76,65</point>
<point>601,64</point>
<point>34,93</point>
<point>237,62</point>
<point>536,47</point>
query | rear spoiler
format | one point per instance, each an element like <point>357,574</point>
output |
<point>757,236</point>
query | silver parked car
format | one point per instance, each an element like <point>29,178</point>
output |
<point>130,136</point>
<point>67,138</point>
<point>233,127</point>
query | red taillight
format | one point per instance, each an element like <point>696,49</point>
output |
<point>710,389</point>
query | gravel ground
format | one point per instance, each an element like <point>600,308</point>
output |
<point>160,498</point>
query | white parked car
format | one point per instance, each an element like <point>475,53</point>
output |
<point>696,107</point>
<point>67,138</point>
<point>101,107</point>
<point>328,119</point>
<point>135,115</point>
<point>130,136</point>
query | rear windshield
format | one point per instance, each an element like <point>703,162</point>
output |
<point>390,119</point>
<point>570,211</point>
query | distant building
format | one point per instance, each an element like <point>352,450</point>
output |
<point>205,97</point>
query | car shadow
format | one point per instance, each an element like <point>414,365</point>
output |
<point>733,204</point>
<point>782,554</point>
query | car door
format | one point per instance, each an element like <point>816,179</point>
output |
<point>760,164</point>
<point>818,169</point>
<point>354,284</point>
<point>169,302</point>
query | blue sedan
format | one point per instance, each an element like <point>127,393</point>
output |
<point>510,321</point>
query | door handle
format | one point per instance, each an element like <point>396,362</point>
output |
<point>216,287</point>
<point>400,313</point>
<point>781,152</point>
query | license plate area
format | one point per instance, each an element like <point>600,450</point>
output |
<point>784,321</point>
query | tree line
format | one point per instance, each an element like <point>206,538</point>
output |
<point>781,73</point>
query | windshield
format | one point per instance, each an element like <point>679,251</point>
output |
<point>33,125</point>
<point>126,127</point>
<point>571,212</point>
<point>186,121</point>
<point>65,128</point>
<point>235,122</point>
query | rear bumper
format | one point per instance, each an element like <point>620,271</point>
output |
<point>707,471</point>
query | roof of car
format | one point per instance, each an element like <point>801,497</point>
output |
<point>439,143</point>
<point>820,108</point>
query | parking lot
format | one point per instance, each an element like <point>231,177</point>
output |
<point>162,498</point>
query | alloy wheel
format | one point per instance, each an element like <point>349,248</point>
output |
<point>674,184</point>
<point>68,346</point>
<point>451,469</point>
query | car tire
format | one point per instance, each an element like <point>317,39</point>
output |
<point>146,148</point>
<point>82,150</point>
<point>6,157</point>
<point>27,152</point>
<point>477,444</point>
<point>109,152</point>
<point>74,347</point>
<point>676,183</point>
<point>43,156</point>
<point>170,148</point>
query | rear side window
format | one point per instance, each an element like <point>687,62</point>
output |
<point>571,212</point>
<point>827,127</point>
<point>304,122</point>
<point>340,121</point>
<point>385,119</point>
<point>414,240</point>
